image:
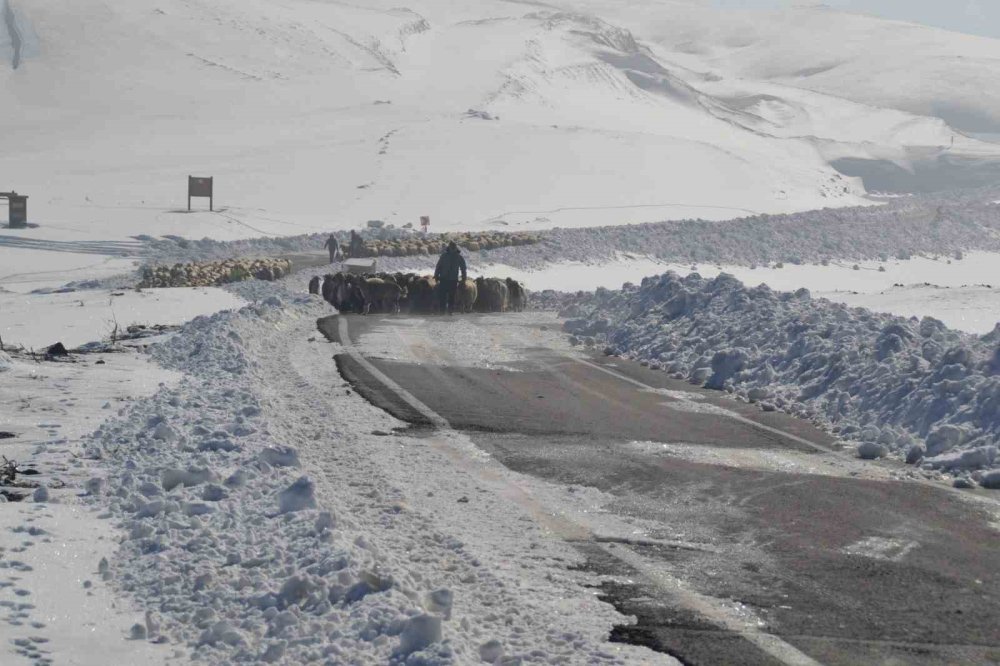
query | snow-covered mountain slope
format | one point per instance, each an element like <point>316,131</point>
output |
<point>314,115</point>
<point>894,64</point>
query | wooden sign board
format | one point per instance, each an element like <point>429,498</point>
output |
<point>201,187</point>
<point>18,212</point>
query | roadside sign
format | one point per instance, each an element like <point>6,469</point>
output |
<point>18,212</point>
<point>425,221</point>
<point>201,187</point>
<point>17,209</point>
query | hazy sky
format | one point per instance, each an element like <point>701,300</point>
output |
<point>980,17</point>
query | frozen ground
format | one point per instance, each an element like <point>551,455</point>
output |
<point>26,268</point>
<point>89,315</point>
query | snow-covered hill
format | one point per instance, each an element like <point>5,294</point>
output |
<point>314,115</point>
<point>893,64</point>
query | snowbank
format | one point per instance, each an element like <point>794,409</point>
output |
<point>911,386</point>
<point>937,225</point>
<point>259,525</point>
<point>230,548</point>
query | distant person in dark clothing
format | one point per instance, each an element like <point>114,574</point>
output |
<point>334,246</point>
<point>447,272</point>
<point>357,247</point>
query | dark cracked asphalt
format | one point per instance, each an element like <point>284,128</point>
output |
<point>834,557</point>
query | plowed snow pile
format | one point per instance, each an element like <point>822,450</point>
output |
<point>263,524</point>
<point>908,387</point>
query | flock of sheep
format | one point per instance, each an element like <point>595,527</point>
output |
<point>434,244</point>
<point>214,273</point>
<point>418,294</point>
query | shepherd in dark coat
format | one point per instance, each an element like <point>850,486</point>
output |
<point>334,246</point>
<point>449,266</point>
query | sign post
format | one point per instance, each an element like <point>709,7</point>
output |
<point>425,222</point>
<point>17,209</point>
<point>201,187</point>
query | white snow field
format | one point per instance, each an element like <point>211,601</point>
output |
<point>54,605</point>
<point>319,115</point>
<point>90,315</point>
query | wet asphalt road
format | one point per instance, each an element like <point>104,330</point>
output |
<point>845,566</point>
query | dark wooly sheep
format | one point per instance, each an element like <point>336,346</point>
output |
<point>423,295</point>
<point>517,295</point>
<point>380,294</point>
<point>329,286</point>
<point>493,294</point>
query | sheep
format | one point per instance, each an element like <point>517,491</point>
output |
<point>467,295</point>
<point>384,295</point>
<point>492,295</point>
<point>423,295</point>
<point>518,295</point>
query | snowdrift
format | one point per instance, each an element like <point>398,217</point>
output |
<point>909,387</point>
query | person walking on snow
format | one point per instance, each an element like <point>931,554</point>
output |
<point>448,268</point>
<point>334,247</point>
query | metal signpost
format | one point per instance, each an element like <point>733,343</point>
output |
<point>425,222</point>
<point>17,207</point>
<point>200,187</point>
